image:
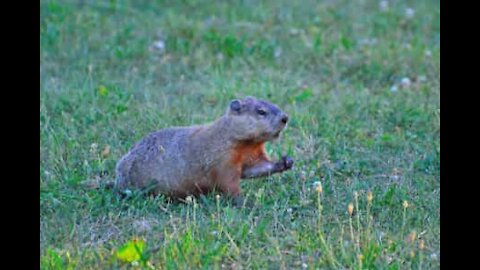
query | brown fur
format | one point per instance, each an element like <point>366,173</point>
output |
<point>197,160</point>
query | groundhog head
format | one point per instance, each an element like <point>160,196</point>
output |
<point>256,120</point>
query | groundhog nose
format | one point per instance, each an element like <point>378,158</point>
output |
<point>284,118</point>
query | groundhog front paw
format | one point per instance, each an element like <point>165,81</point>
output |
<point>287,162</point>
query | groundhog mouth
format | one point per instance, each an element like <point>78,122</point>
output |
<point>272,135</point>
<point>277,134</point>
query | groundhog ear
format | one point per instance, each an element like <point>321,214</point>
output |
<point>235,105</point>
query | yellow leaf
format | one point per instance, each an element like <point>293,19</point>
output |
<point>102,90</point>
<point>131,251</point>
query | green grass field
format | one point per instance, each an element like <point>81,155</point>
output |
<point>359,79</point>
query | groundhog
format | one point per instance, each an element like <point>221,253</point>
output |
<point>196,160</point>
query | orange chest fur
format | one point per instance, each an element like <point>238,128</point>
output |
<point>246,154</point>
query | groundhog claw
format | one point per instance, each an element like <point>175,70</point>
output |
<point>288,162</point>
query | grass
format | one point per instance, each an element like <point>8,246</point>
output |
<point>112,71</point>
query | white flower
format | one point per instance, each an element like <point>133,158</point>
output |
<point>381,235</point>
<point>159,45</point>
<point>93,146</point>
<point>394,88</point>
<point>406,82</point>
<point>383,5</point>
<point>289,210</point>
<point>304,265</point>
<point>278,52</point>
<point>409,12</point>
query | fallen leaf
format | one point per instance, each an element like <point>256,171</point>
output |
<point>131,251</point>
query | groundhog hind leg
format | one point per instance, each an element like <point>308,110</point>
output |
<point>266,168</point>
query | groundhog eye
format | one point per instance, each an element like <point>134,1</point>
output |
<point>261,112</point>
